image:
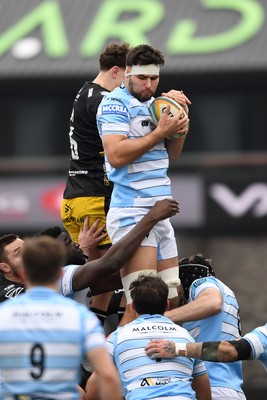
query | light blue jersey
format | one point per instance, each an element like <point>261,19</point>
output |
<point>222,326</point>
<point>258,342</point>
<point>144,378</point>
<point>43,339</point>
<point>144,181</point>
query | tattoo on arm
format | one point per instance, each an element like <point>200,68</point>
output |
<point>210,351</point>
<point>169,348</point>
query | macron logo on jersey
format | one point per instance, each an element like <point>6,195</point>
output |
<point>114,109</point>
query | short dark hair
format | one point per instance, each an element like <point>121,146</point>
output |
<point>144,55</point>
<point>53,231</point>
<point>114,54</point>
<point>5,240</point>
<point>43,257</point>
<point>149,294</point>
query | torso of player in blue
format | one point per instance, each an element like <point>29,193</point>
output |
<point>222,326</point>
<point>144,181</point>
<point>144,378</point>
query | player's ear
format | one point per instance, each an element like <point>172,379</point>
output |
<point>114,71</point>
<point>4,267</point>
<point>167,306</point>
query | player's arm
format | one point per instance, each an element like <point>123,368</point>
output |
<point>115,258</point>
<point>105,285</point>
<point>105,384</point>
<point>224,351</point>
<point>208,302</point>
<point>174,147</point>
<point>201,385</point>
<point>121,151</point>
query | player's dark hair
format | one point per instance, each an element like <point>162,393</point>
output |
<point>5,240</point>
<point>43,257</point>
<point>113,54</point>
<point>149,294</point>
<point>53,231</point>
<point>144,55</point>
<point>192,268</point>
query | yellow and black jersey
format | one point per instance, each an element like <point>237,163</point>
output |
<point>87,176</point>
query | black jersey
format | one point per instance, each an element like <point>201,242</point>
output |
<point>87,176</point>
<point>9,289</point>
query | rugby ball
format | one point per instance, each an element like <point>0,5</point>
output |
<point>158,107</point>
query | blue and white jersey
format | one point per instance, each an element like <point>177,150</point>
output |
<point>222,326</point>
<point>258,342</point>
<point>65,287</point>
<point>144,181</point>
<point>43,339</point>
<point>144,378</point>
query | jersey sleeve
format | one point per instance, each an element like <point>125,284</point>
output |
<point>113,117</point>
<point>65,282</point>
<point>93,332</point>
<point>201,284</point>
<point>258,341</point>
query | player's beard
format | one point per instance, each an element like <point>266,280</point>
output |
<point>143,96</point>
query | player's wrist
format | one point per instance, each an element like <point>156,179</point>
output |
<point>180,349</point>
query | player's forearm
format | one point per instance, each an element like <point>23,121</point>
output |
<point>218,351</point>
<point>174,147</point>
<point>207,304</point>
<point>127,150</point>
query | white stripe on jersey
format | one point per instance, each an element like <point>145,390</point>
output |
<point>230,329</point>
<point>24,349</point>
<point>109,129</point>
<point>58,318</point>
<point>49,375</point>
<point>150,369</point>
<point>146,166</point>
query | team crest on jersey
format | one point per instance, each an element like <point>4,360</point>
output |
<point>199,282</point>
<point>114,109</point>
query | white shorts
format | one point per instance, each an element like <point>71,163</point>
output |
<point>224,393</point>
<point>120,221</point>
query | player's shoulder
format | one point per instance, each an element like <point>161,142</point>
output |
<point>91,92</point>
<point>201,284</point>
<point>117,96</point>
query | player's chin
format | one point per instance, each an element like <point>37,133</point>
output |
<point>145,96</point>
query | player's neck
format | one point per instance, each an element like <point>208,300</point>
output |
<point>104,80</point>
<point>53,286</point>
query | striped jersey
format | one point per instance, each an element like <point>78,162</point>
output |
<point>43,339</point>
<point>65,286</point>
<point>144,181</point>
<point>258,342</point>
<point>222,326</point>
<point>144,378</point>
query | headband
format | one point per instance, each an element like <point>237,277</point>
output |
<point>149,69</point>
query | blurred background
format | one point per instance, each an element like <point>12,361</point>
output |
<point>216,52</point>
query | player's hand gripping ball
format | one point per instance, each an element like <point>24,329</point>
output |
<point>158,107</point>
